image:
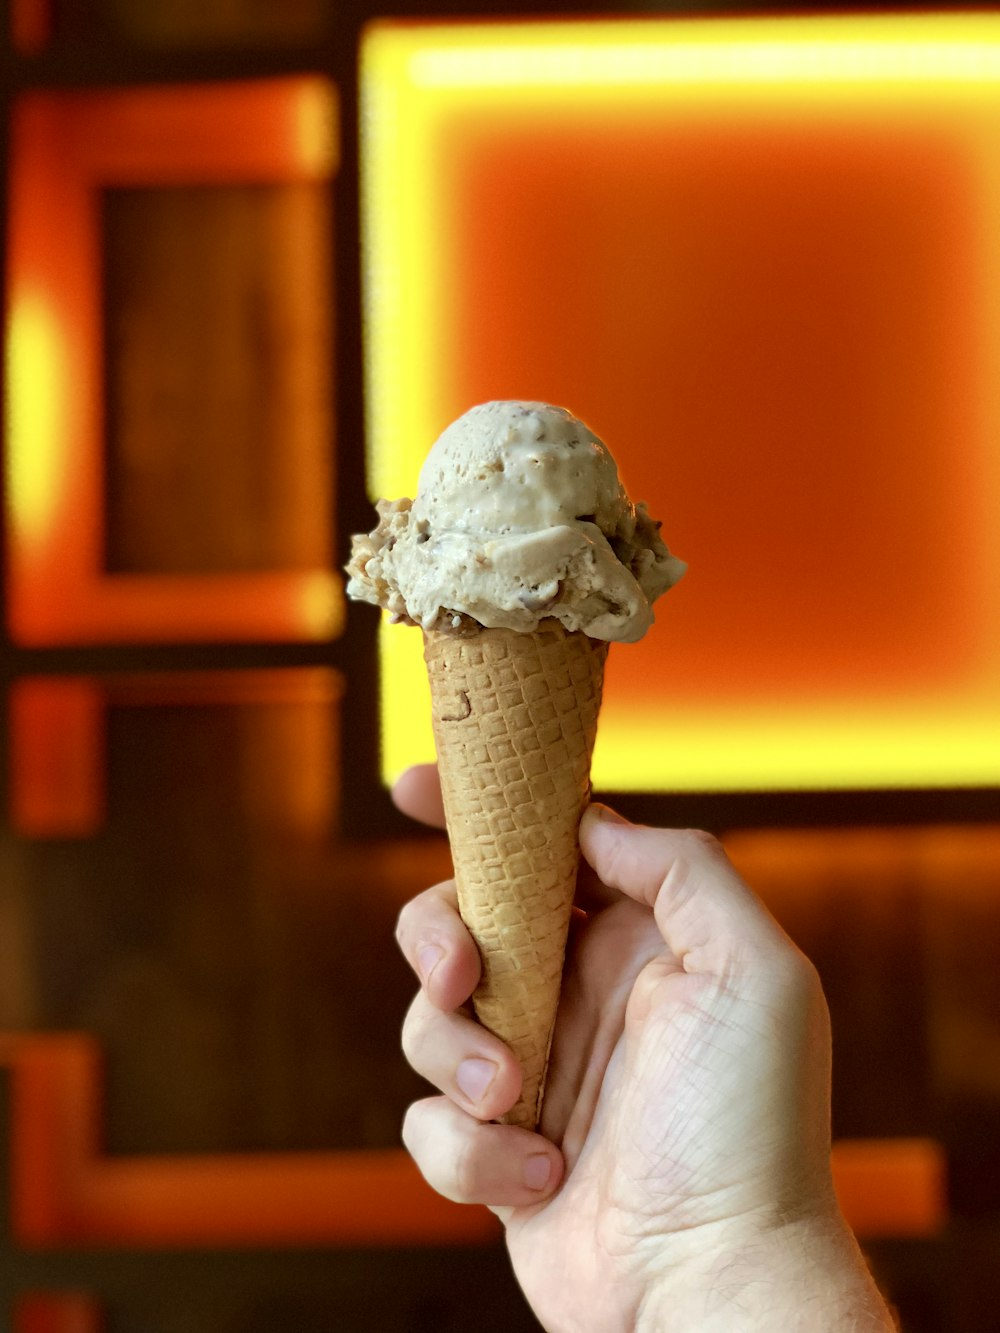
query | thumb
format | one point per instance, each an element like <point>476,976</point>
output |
<point>706,913</point>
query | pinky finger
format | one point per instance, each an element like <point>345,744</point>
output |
<point>472,1162</point>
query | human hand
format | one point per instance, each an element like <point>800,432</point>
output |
<point>681,1176</point>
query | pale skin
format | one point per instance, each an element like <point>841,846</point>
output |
<point>680,1179</point>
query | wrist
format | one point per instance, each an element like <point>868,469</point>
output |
<point>799,1276</point>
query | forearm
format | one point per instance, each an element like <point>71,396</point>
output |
<point>804,1277</point>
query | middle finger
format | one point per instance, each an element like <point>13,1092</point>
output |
<point>437,945</point>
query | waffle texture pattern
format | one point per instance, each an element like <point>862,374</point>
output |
<point>515,718</point>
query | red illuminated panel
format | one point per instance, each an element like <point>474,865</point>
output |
<point>64,148</point>
<point>757,256</point>
<point>65,1192</point>
<point>57,762</point>
<point>30,25</point>
<point>68,1312</point>
<point>56,757</point>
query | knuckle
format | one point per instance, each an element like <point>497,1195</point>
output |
<point>411,1133</point>
<point>403,921</point>
<point>701,843</point>
<point>425,907</point>
<point>807,980</point>
<point>464,1171</point>
<point>617,861</point>
<point>798,979</point>
<point>446,1160</point>
<point>697,853</point>
<point>414,1032</point>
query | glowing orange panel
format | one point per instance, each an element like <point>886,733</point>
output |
<point>64,148</point>
<point>758,257</point>
<point>65,1192</point>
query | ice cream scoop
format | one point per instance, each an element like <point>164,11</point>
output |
<point>521,557</point>
<point>519,516</point>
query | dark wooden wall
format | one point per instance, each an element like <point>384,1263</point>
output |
<point>223,928</point>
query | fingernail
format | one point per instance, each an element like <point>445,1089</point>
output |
<point>538,1171</point>
<point>474,1077</point>
<point>609,816</point>
<point>428,958</point>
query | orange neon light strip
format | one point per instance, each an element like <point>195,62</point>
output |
<point>757,255</point>
<point>66,1192</point>
<point>64,147</point>
<point>63,1312</point>
<point>891,1187</point>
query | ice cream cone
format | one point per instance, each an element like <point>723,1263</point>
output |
<point>515,717</point>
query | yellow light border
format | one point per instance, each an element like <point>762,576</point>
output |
<point>412,74</point>
<point>65,147</point>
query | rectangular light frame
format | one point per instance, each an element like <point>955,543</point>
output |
<point>417,77</point>
<point>64,148</point>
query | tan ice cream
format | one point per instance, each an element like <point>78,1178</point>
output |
<point>519,516</point>
<point>520,557</point>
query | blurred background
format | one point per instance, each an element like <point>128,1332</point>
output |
<point>255,257</point>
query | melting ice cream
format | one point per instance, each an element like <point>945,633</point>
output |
<point>519,516</point>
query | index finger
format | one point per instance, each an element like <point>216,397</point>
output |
<point>417,792</point>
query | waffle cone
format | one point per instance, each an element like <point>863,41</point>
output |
<point>515,717</point>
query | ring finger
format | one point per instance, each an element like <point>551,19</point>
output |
<point>461,1058</point>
